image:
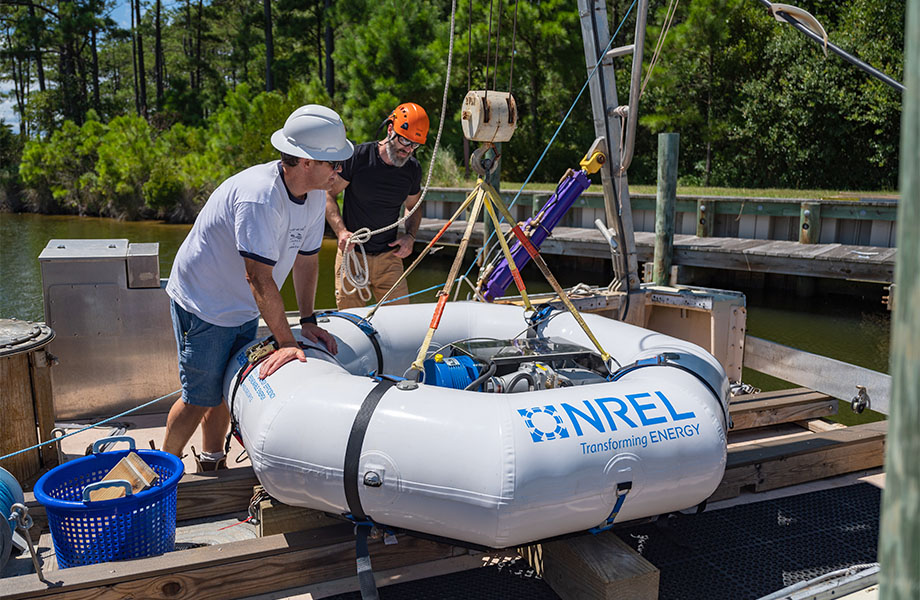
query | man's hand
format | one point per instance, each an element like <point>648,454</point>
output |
<point>280,357</point>
<point>315,333</point>
<point>404,244</point>
<point>343,236</point>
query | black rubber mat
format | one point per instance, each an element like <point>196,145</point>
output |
<point>752,550</point>
<point>738,553</point>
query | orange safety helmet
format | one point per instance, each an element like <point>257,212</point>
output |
<point>410,121</point>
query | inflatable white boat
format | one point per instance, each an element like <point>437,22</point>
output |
<point>546,442</point>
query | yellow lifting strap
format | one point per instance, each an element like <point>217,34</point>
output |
<point>480,197</point>
<point>418,365</point>
<point>423,253</point>
<point>485,194</point>
<point>544,269</point>
<point>491,198</point>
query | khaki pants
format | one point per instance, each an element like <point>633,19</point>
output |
<point>384,269</point>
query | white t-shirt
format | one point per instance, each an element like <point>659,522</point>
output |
<point>250,215</point>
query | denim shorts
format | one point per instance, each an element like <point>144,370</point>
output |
<point>205,351</point>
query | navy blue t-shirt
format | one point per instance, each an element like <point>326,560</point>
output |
<point>376,191</point>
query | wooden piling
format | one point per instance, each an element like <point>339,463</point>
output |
<point>705,218</point>
<point>665,202</point>
<point>899,539</point>
<point>27,403</point>
<point>810,223</point>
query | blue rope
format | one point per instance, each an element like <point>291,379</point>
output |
<point>88,427</point>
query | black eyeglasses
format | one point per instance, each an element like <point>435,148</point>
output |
<point>407,143</point>
<point>335,164</point>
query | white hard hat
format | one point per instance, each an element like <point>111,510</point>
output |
<point>313,132</point>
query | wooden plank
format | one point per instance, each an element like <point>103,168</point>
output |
<point>801,458</point>
<point>425,570</point>
<point>775,248</point>
<point>806,443</point>
<point>226,571</point>
<point>740,244</point>
<point>276,517</point>
<point>861,253</point>
<point>17,425</point>
<point>43,401</point>
<point>819,425</point>
<point>758,410</point>
<point>818,250</point>
<point>601,566</point>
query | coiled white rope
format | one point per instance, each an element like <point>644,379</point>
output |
<point>355,270</point>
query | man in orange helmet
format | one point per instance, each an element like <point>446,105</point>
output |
<point>378,180</point>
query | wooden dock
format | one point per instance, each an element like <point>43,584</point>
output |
<point>779,439</point>
<point>833,261</point>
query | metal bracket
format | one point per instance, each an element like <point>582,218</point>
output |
<point>861,400</point>
<point>20,513</point>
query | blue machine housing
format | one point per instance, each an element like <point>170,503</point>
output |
<point>455,372</point>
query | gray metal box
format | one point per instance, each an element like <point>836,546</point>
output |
<point>144,265</point>
<point>114,342</point>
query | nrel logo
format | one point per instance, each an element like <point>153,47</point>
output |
<point>602,415</point>
<point>549,420</point>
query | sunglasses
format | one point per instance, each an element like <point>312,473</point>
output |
<point>407,143</point>
<point>335,164</point>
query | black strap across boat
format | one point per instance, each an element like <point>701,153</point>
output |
<point>363,562</point>
<point>355,443</point>
<point>350,478</point>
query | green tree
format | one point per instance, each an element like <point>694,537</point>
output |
<point>813,121</point>
<point>60,170</point>
<point>126,155</point>
<point>388,52</point>
<point>10,153</point>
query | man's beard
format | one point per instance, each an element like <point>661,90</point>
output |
<point>390,148</point>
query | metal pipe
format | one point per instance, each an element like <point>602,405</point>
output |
<point>621,51</point>
<point>837,50</point>
<point>635,86</point>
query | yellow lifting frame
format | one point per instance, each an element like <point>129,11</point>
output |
<point>493,197</point>
<point>485,194</point>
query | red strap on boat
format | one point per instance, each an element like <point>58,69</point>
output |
<point>436,319</point>
<point>525,241</point>
<point>440,233</point>
<point>518,281</point>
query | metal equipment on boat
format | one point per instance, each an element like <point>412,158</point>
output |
<point>575,439</point>
<point>497,277</point>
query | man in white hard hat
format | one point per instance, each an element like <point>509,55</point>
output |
<point>257,226</point>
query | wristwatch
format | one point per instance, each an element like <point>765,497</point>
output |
<point>310,319</point>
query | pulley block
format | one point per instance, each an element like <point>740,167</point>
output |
<point>488,116</point>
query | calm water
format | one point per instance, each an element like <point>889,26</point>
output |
<point>848,328</point>
<point>23,237</point>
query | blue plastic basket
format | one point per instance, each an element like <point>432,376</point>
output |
<point>85,532</point>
